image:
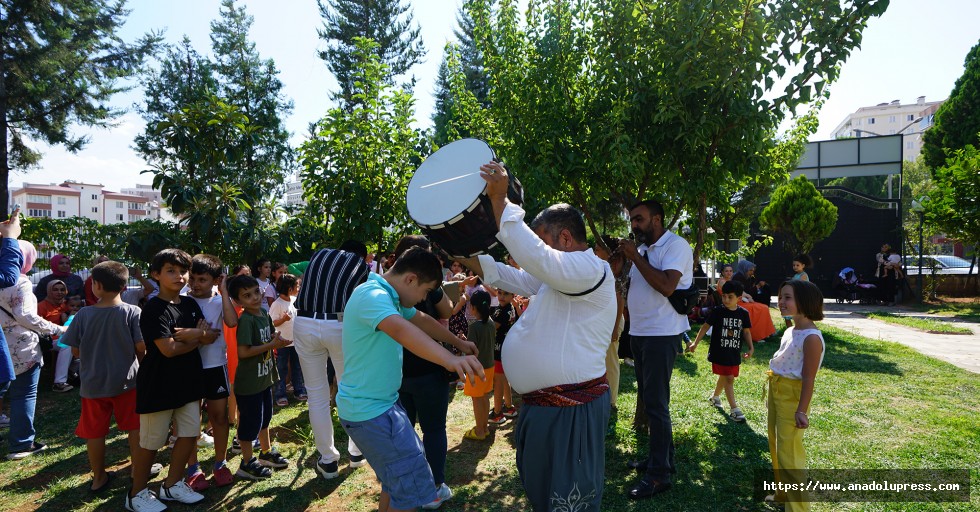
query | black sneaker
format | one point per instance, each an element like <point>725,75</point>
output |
<point>236,448</point>
<point>272,459</point>
<point>357,461</point>
<point>252,470</point>
<point>328,469</point>
<point>35,448</point>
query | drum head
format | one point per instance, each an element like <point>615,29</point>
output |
<point>448,182</point>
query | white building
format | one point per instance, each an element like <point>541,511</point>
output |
<point>294,194</point>
<point>155,203</point>
<point>910,120</point>
<point>47,201</point>
<point>124,208</point>
<point>74,199</point>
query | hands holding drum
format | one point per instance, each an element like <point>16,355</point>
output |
<point>496,177</point>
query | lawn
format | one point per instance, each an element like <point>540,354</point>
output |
<point>929,325</point>
<point>877,405</point>
<point>967,309</point>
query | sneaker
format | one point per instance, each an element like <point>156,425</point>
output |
<point>180,492</point>
<point>629,362</point>
<point>282,402</point>
<point>459,386</point>
<point>62,387</point>
<point>4,421</point>
<point>36,447</point>
<point>198,482</point>
<point>496,418</point>
<point>737,415</point>
<point>155,469</point>
<point>252,470</point>
<point>357,461</point>
<point>236,448</point>
<point>510,412</point>
<point>443,493</point>
<point>302,397</point>
<point>222,477</point>
<point>328,469</point>
<point>144,501</point>
<point>273,459</point>
<point>205,441</point>
<point>715,401</point>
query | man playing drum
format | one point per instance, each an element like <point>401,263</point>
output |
<point>555,353</point>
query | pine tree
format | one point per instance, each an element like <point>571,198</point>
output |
<point>957,122</point>
<point>388,22</point>
<point>60,63</point>
<point>471,65</point>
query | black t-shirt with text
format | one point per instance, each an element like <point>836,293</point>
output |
<point>505,316</point>
<point>413,365</point>
<point>163,382</point>
<point>727,334</point>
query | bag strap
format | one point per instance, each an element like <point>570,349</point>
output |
<point>590,290</point>
<point>7,311</point>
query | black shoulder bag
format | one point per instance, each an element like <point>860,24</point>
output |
<point>683,300</point>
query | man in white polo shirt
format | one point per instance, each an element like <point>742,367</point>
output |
<point>662,263</point>
<point>555,354</point>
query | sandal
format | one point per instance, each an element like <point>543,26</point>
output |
<point>105,485</point>
<point>282,402</point>
<point>472,435</point>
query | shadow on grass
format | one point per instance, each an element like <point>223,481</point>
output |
<point>843,356</point>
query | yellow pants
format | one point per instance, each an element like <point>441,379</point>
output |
<point>612,363</point>
<point>786,441</point>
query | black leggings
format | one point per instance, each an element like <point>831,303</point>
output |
<point>254,414</point>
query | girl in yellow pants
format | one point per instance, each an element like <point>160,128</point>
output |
<point>792,371</point>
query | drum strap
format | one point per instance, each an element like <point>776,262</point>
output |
<point>590,290</point>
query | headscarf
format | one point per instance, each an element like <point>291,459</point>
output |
<point>55,260</point>
<point>30,256</point>
<point>743,267</point>
<point>51,284</point>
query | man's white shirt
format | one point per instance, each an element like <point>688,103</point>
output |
<point>650,312</point>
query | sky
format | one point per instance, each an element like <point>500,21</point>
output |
<point>915,49</point>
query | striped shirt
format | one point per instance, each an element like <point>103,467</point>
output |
<point>330,280</point>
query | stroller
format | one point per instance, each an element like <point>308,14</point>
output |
<point>846,286</point>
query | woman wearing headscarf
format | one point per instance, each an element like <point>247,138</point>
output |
<point>11,260</point>
<point>53,308</point>
<point>752,300</point>
<point>60,269</point>
<point>21,326</point>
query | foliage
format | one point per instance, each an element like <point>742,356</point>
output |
<point>468,64</point>
<point>797,210</point>
<point>356,167</point>
<point>60,63</point>
<point>388,23</point>
<point>954,202</point>
<point>957,122</point>
<point>655,99</point>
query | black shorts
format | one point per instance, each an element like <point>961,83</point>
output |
<point>216,383</point>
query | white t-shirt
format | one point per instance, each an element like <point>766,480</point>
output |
<point>279,307</point>
<point>788,359</point>
<point>650,312</point>
<point>214,354</point>
<point>268,290</point>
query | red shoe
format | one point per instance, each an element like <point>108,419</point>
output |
<point>198,482</point>
<point>222,477</point>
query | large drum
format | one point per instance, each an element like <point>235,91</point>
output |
<point>447,198</point>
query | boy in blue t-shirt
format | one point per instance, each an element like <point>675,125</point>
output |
<point>729,325</point>
<point>379,321</point>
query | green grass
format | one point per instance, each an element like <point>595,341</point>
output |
<point>929,325</point>
<point>966,310</point>
<point>877,405</point>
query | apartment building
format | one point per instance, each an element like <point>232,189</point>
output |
<point>891,118</point>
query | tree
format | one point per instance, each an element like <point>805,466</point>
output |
<point>954,201</point>
<point>657,98</point>
<point>356,168</point>
<point>957,122</point>
<point>797,210</point>
<point>388,22</point>
<point>470,67</point>
<point>60,63</point>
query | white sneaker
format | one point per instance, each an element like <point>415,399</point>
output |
<point>442,495</point>
<point>180,492</point>
<point>4,420</point>
<point>144,501</point>
<point>715,401</point>
<point>205,441</point>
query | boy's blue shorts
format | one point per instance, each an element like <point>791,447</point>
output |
<point>391,446</point>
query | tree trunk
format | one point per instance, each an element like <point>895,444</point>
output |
<point>4,133</point>
<point>702,226</point>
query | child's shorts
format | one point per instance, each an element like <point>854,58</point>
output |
<point>216,383</point>
<point>254,414</point>
<point>155,426</point>
<point>720,369</point>
<point>97,412</point>
<point>481,388</point>
<point>391,446</point>
<point>498,368</point>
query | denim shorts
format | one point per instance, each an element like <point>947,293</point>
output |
<point>391,446</point>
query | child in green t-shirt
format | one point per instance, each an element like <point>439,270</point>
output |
<point>254,379</point>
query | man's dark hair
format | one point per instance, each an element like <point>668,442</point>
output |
<point>112,275</point>
<point>409,241</point>
<point>733,287</point>
<point>809,299</point>
<point>652,206</point>
<point>558,217</point>
<point>285,283</point>
<point>238,283</point>
<point>175,257</point>
<point>421,263</point>
<point>355,247</point>
<point>206,264</point>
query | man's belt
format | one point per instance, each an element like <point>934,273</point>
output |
<point>568,395</point>
<point>320,316</point>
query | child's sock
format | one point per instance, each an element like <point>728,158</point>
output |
<point>192,469</point>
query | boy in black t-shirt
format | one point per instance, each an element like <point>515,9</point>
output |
<point>504,316</point>
<point>169,384</point>
<point>729,325</point>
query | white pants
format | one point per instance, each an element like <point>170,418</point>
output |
<point>61,365</point>
<point>316,341</point>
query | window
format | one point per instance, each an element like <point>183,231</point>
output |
<point>61,200</point>
<point>34,198</point>
<point>910,117</point>
<point>61,214</point>
<point>857,122</point>
<point>95,197</point>
<point>95,209</point>
<point>119,217</point>
<point>891,119</point>
<point>871,120</point>
<point>135,206</point>
<point>119,204</point>
<point>134,218</point>
<point>38,213</point>
<point>909,144</point>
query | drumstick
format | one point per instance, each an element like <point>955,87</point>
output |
<point>448,180</point>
